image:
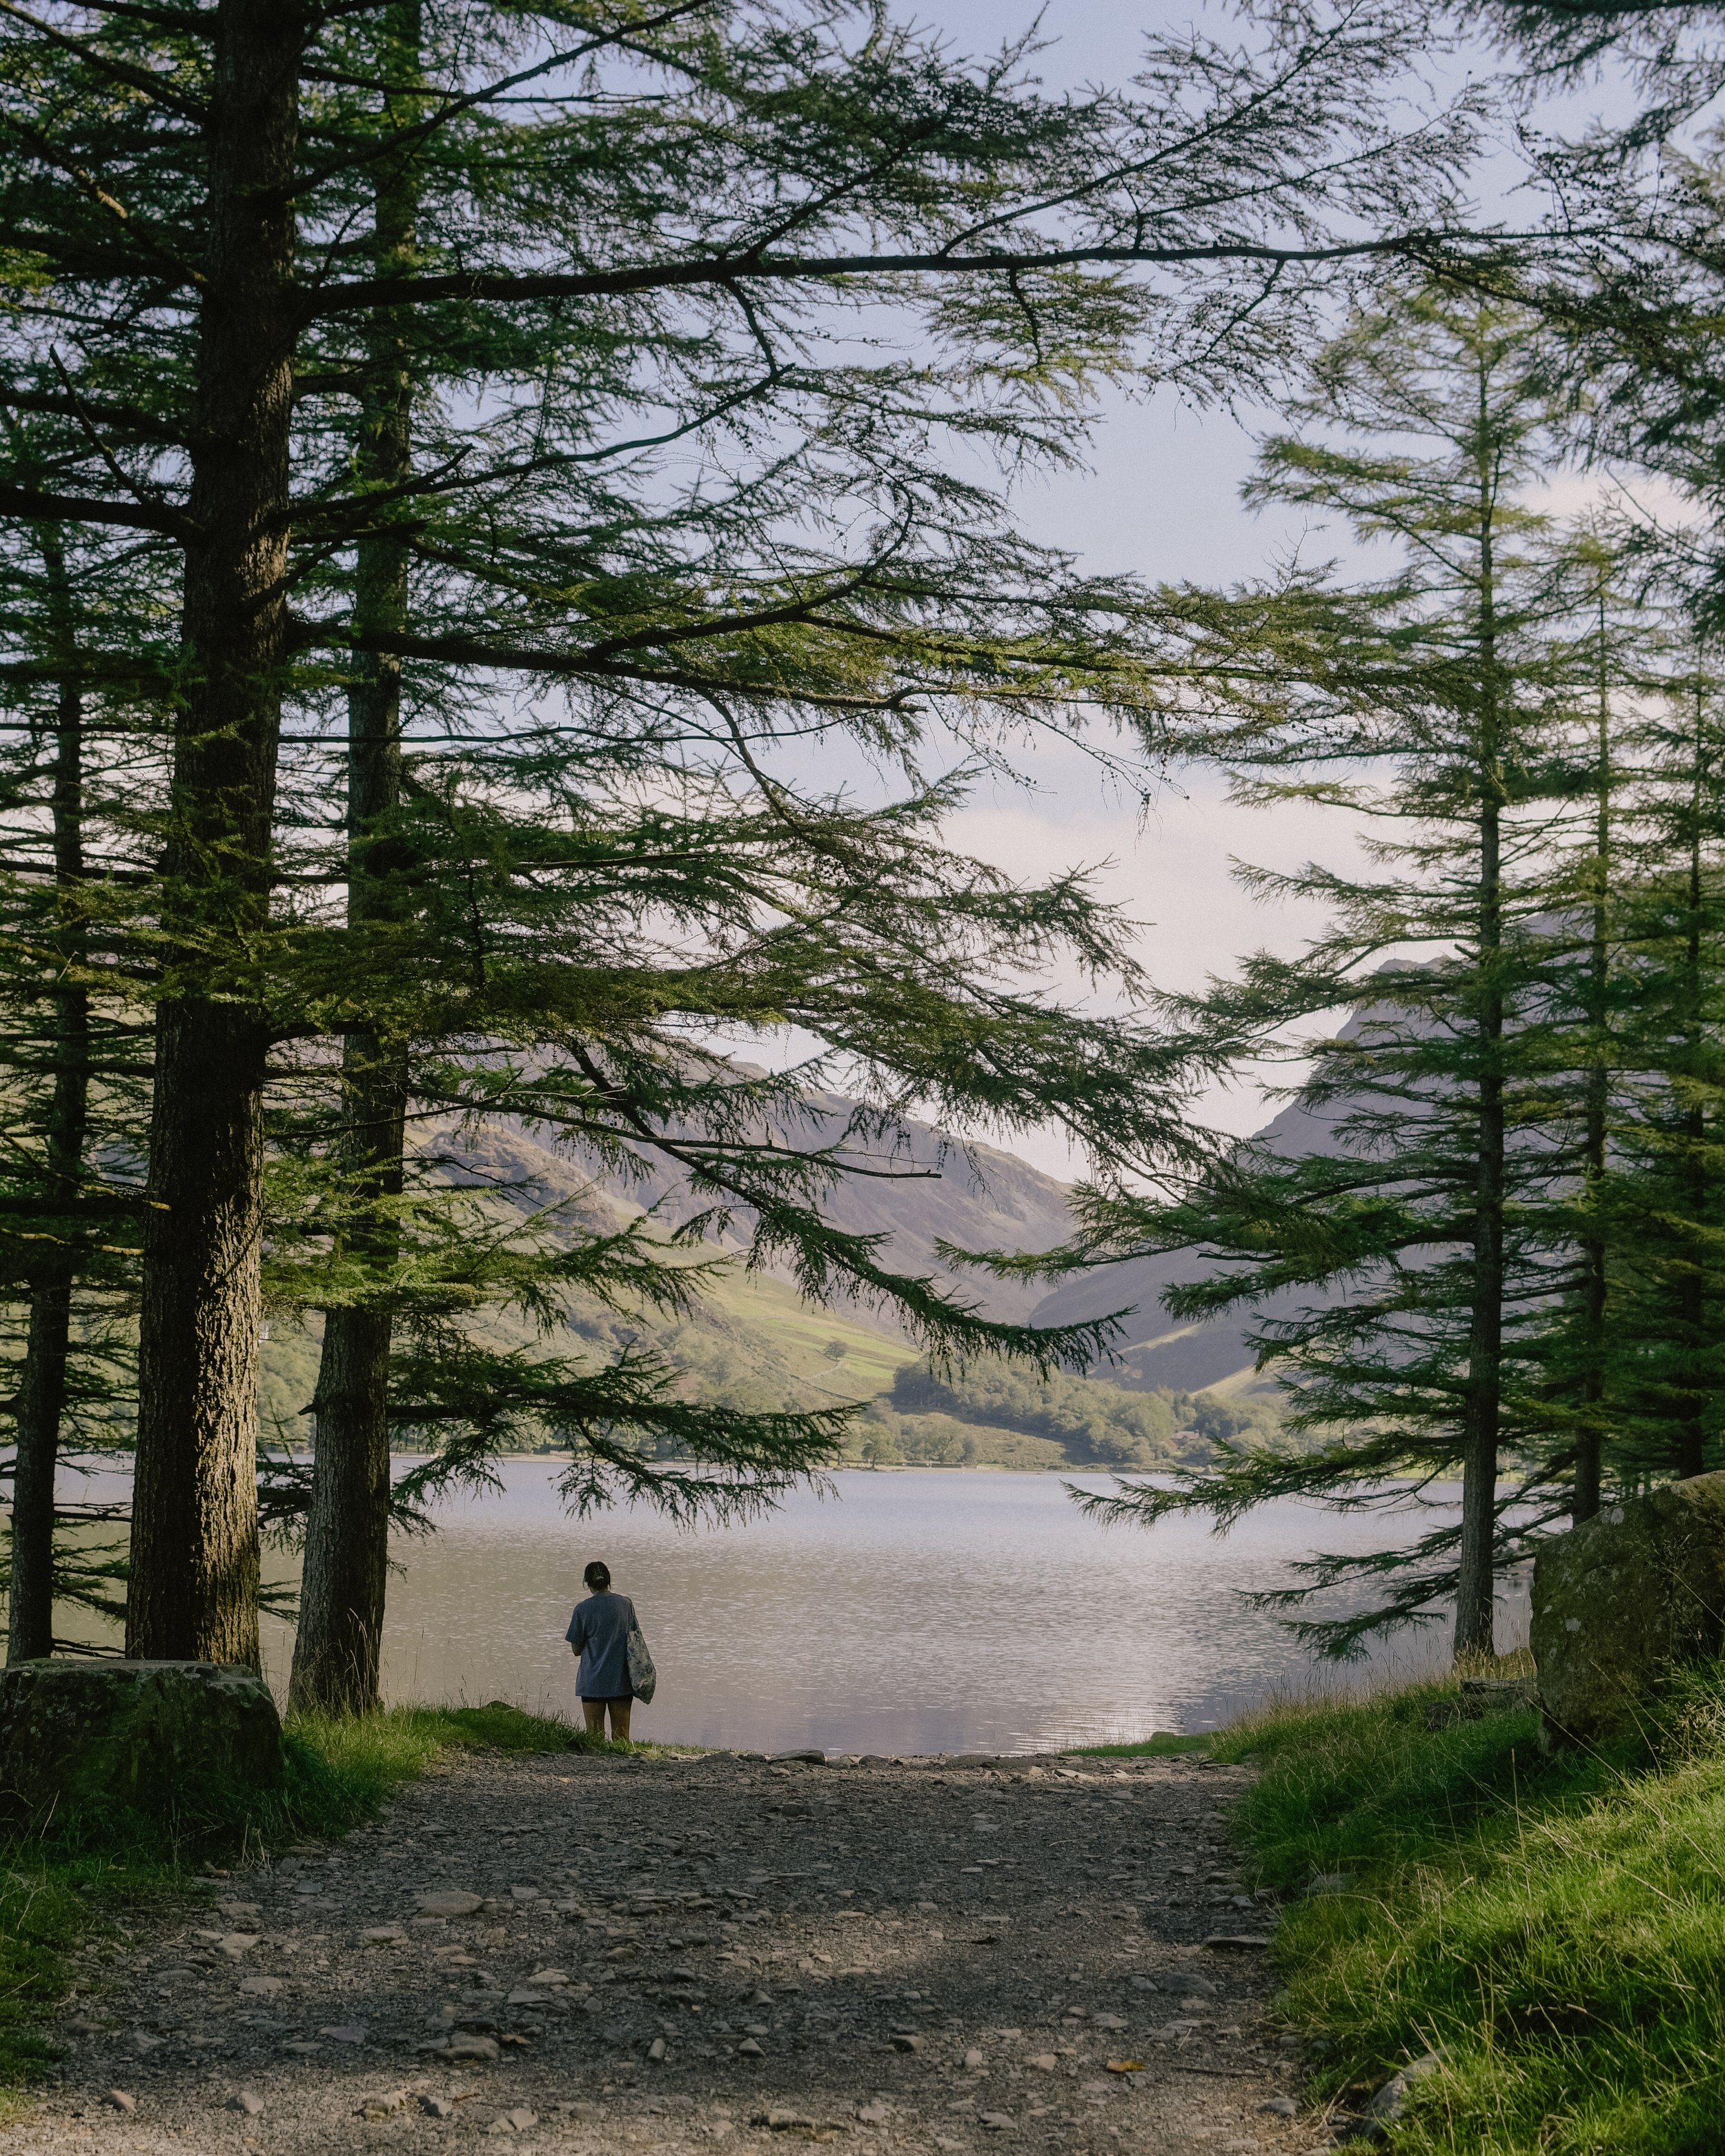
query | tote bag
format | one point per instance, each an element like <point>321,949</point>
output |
<point>643,1677</point>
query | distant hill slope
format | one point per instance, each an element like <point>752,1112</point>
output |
<point>1157,1353</point>
<point>934,1190</point>
<point>753,1340</point>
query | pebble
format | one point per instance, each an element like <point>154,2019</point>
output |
<point>244,2100</point>
<point>626,1864</point>
<point>449,1902</point>
<point>474,2047</point>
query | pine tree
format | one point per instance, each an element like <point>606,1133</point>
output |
<point>1421,1222</point>
<point>636,237</point>
<point>68,1046</point>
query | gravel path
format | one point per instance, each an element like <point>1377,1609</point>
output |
<point>579,1955</point>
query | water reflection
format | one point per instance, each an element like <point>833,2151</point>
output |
<point>916,1611</point>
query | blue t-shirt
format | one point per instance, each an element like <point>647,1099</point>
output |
<point>599,1631</point>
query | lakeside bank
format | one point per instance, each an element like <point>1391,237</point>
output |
<point>1551,1929</point>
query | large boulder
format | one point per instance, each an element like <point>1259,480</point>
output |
<point>1624,1601</point>
<point>160,1737</point>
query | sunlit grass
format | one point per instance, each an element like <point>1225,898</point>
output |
<point>1552,1927</point>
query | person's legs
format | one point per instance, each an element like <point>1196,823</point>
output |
<point>620,1720</point>
<point>594,1714</point>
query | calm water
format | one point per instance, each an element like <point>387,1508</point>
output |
<point>905,1612</point>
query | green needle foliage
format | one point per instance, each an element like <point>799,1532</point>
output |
<point>1406,1242</point>
<point>563,432</point>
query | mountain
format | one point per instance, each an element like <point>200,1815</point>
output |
<point>1156,1352</point>
<point>931,1189</point>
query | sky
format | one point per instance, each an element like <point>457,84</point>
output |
<point>1161,500</point>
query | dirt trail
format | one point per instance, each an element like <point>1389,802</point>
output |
<point>670,1953</point>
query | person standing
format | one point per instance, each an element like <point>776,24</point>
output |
<point>599,1633</point>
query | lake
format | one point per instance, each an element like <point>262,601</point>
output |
<point>911,1611</point>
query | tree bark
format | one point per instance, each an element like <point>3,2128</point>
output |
<point>194,1543</point>
<point>1475,1601</point>
<point>338,1648</point>
<point>1590,1443</point>
<point>1689,1455</point>
<point>42,1380</point>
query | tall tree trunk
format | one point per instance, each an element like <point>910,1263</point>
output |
<point>41,1382</point>
<point>1590,1442</point>
<point>338,1648</point>
<point>1690,1452</point>
<point>194,1543</point>
<point>1474,1612</point>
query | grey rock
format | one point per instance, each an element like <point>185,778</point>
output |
<point>1185,1981</point>
<point>143,1736</point>
<point>1280,2107</point>
<point>449,1902</point>
<point>437,2106</point>
<point>478,2049</point>
<point>1624,1601</point>
<point>122,2100</point>
<point>244,2100</point>
<point>1391,2101</point>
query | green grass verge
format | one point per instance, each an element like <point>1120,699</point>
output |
<point>1552,1927</point>
<point>59,1892</point>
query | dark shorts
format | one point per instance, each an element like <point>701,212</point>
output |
<point>606,1699</point>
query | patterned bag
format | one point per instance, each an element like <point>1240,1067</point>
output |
<point>643,1677</point>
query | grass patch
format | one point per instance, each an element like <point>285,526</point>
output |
<point>1164,1745</point>
<point>1553,1927</point>
<point>60,1891</point>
